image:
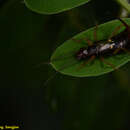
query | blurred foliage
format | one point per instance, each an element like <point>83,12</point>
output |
<point>53,6</point>
<point>66,103</point>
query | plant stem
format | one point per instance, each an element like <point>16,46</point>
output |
<point>125,4</point>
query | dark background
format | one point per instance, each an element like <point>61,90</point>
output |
<point>65,103</point>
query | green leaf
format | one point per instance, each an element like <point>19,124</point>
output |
<point>69,65</point>
<point>53,6</point>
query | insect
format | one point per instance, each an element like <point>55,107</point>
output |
<point>100,48</point>
<point>114,45</point>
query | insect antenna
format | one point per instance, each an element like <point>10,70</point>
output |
<point>44,83</point>
<point>40,64</point>
<point>61,57</point>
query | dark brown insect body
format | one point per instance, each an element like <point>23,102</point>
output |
<point>118,42</point>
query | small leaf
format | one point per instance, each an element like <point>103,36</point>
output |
<point>63,59</point>
<point>53,6</point>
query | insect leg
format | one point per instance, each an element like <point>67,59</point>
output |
<point>115,32</point>
<point>90,43</point>
<point>127,51</point>
<point>111,65</point>
<point>106,62</point>
<point>95,33</point>
<point>86,62</point>
<point>116,51</point>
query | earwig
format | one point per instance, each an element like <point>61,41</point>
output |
<point>114,45</point>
